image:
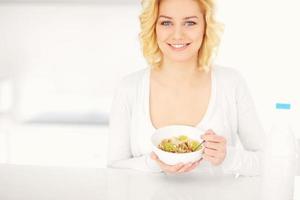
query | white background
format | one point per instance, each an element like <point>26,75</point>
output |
<point>68,58</point>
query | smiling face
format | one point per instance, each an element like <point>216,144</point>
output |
<point>179,29</point>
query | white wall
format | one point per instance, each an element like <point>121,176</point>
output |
<point>65,58</point>
<point>69,56</point>
<point>261,39</point>
<point>68,50</point>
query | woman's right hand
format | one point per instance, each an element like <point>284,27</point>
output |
<point>175,169</point>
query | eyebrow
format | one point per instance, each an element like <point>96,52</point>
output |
<point>190,17</point>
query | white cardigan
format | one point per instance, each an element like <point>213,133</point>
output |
<point>231,113</point>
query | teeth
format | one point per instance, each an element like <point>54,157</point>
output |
<point>178,45</point>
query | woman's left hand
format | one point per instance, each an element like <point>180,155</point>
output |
<point>215,147</point>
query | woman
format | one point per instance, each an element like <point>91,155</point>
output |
<point>182,86</point>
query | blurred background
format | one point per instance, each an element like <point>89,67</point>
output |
<point>60,61</point>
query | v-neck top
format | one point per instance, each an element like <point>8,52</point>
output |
<point>208,109</point>
<point>230,113</point>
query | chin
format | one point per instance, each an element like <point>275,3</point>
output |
<point>181,58</point>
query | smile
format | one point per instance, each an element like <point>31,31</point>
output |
<point>179,47</point>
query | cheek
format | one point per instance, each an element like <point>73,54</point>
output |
<point>197,38</point>
<point>198,35</point>
<point>162,34</point>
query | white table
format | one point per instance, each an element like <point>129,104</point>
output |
<point>55,183</point>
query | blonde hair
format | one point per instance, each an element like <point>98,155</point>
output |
<point>151,51</point>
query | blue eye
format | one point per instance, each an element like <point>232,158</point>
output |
<point>166,23</point>
<point>190,23</point>
<point>169,23</point>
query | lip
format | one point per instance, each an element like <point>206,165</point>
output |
<point>179,49</point>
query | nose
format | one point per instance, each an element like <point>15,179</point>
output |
<point>178,33</point>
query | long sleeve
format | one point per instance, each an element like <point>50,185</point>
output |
<point>119,145</point>
<point>246,161</point>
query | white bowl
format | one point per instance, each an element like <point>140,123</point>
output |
<point>174,131</point>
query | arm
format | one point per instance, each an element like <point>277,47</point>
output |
<point>119,147</point>
<point>246,161</point>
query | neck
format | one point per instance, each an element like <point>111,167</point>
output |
<point>180,72</point>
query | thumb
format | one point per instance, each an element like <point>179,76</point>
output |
<point>153,156</point>
<point>210,132</point>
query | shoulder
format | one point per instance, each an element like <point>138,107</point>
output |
<point>227,75</point>
<point>131,81</point>
<point>232,82</point>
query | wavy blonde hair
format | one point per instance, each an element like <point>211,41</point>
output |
<point>151,51</point>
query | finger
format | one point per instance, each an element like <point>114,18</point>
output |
<point>213,138</point>
<point>214,153</point>
<point>210,152</point>
<point>168,168</point>
<point>214,146</point>
<point>211,159</point>
<point>198,161</point>
<point>153,156</point>
<point>180,167</point>
<point>191,166</point>
<point>210,132</point>
<point>163,165</point>
<point>185,167</point>
<point>195,164</point>
<point>174,168</point>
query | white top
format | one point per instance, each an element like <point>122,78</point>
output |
<point>231,113</point>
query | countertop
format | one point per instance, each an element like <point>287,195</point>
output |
<point>19,182</point>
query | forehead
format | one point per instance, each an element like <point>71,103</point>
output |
<point>179,8</point>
